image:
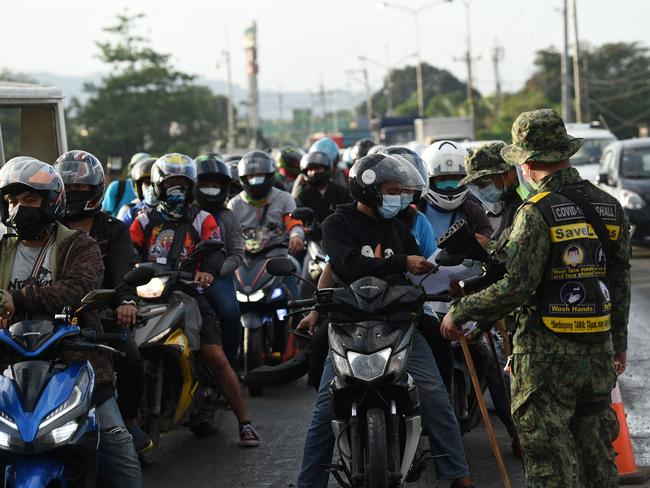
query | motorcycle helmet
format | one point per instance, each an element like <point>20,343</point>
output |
<point>173,177</point>
<point>24,174</point>
<point>235,185</point>
<point>288,161</point>
<point>134,160</point>
<point>375,149</point>
<point>360,149</point>
<point>329,147</point>
<point>445,162</point>
<point>413,158</point>
<point>140,173</point>
<point>81,168</point>
<point>255,170</point>
<point>316,159</point>
<point>210,168</point>
<point>368,174</point>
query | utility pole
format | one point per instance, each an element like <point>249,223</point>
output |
<point>567,114</point>
<point>230,144</point>
<point>470,87</point>
<point>323,104</point>
<point>576,64</point>
<point>389,84</point>
<point>252,70</point>
<point>497,57</point>
<point>335,114</point>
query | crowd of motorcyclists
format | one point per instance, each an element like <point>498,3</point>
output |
<point>375,211</point>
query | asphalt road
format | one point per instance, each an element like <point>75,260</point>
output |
<point>283,413</point>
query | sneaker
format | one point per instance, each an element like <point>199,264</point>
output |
<point>248,436</point>
<point>141,440</point>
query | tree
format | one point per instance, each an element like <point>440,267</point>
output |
<point>144,104</point>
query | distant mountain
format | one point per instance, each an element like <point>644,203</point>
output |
<point>270,101</point>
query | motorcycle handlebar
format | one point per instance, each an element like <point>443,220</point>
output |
<point>438,297</point>
<point>108,338</point>
<point>308,302</point>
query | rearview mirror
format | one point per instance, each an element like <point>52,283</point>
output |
<point>304,214</point>
<point>280,267</point>
<point>444,259</point>
<point>139,276</point>
<point>603,179</point>
<point>99,298</point>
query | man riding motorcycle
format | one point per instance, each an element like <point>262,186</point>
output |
<point>363,239</point>
<point>329,147</point>
<point>213,182</point>
<point>146,200</point>
<point>45,267</point>
<point>121,192</point>
<point>83,177</point>
<point>154,237</point>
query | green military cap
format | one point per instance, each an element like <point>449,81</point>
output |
<point>484,160</point>
<point>540,136</point>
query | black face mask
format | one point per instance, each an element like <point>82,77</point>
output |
<point>75,204</point>
<point>29,222</point>
<point>319,179</point>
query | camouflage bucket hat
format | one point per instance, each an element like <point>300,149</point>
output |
<point>484,160</point>
<point>540,135</point>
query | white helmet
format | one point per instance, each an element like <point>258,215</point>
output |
<point>445,158</point>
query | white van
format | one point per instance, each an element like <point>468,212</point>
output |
<point>596,138</point>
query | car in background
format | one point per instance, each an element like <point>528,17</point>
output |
<point>586,160</point>
<point>624,172</point>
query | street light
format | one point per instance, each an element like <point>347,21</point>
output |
<point>381,6</point>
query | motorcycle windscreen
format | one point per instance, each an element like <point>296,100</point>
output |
<point>366,337</point>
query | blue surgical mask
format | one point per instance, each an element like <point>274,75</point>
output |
<point>447,185</point>
<point>491,193</point>
<point>405,200</point>
<point>149,196</point>
<point>390,207</point>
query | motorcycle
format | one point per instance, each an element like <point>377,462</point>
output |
<point>268,353</point>
<point>376,424</point>
<point>49,428</point>
<point>179,387</point>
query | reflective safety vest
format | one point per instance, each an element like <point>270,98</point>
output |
<point>573,299</point>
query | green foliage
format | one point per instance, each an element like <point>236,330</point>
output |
<point>144,104</point>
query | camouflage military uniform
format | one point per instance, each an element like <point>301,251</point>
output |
<point>563,446</point>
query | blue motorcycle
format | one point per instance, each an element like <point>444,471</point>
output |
<point>49,428</point>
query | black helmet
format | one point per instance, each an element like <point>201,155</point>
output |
<point>367,175</point>
<point>360,149</point>
<point>256,163</point>
<point>288,161</point>
<point>81,168</point>
<point>316,159</point>
<point>375,149</point>
<point>141,171</point>
<point>24,174</point>
<point>174,201</point>
<point>411,156</point>
<point>211,167</point>
<point>235,185</point>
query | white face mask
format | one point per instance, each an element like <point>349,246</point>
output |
<point>210,192</point>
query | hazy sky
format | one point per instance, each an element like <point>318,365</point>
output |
<point>300,40</point>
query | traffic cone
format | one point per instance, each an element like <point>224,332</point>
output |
<point>628,471</point>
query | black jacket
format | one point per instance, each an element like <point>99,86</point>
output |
<point>118,253</point>
<point>325,204</point>
<point>351,239</point>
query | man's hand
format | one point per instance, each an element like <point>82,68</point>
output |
<point>296,244</point>
<point>449,330</point>
<point>418,265</point>
<point>482,240</point>
<point>309,322</point>
<point>620,362</point>
<point>204,279</point>
<point>126,314</point>
<point>9,308</point>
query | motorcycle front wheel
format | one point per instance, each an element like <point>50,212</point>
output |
<point>377,450</point>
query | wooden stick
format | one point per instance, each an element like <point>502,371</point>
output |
<point>484,412</point>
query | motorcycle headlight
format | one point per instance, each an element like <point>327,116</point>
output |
<point>631,200</point>
<point>341,366</point>
<point>241,297</point>
<point>74,400</point>
<point>369,367</point>
<point>256,296</point>
<point>5,440</point>
<point>398,362</point>
<point>63,433</point>
<point>154,288</point>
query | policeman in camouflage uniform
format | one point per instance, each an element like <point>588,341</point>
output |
<point>568,279</point>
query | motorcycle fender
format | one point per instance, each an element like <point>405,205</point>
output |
<point>251,321</point>
<point>341,432</point>
<point>185,364</point>
<point>413,430</point>
<point>35,472</point>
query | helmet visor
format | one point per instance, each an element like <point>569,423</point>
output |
<point>80,172</point>
<point>394,169</point>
